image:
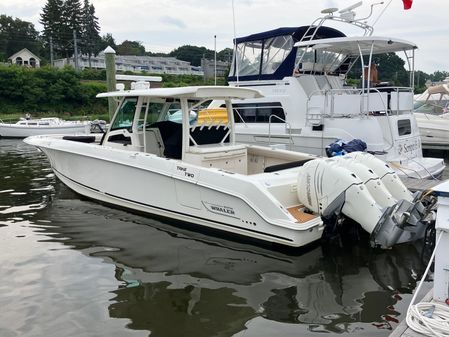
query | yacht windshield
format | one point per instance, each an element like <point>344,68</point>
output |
<point>310,59</point>
<point>261,56</point>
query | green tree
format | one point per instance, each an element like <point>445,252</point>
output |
<point>52,19</point>
<point>107,41</point>
<point>192,54</point>
<point>15,35</point>
<point>130,48</point>
<point>73,22</point>
<point>90,31</point>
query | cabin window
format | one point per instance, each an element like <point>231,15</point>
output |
<point>259,113</point>
<point>125,116</point>
<point>404,127</point>
<point>274,53</point>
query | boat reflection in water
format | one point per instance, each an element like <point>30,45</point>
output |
<point>177,280</point>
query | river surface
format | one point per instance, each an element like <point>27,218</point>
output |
<point>72,267</point>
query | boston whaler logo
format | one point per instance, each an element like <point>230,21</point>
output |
<point>220,209</point>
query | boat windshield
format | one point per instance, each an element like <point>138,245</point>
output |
<point>125,115</point>
<point>319,60</point>
<point>431,108</point>
<point>262,56</point>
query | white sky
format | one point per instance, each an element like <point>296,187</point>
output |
<point>162,25</point>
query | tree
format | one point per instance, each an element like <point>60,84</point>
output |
<point>52,20</point>
<point>90,31</point>
<point>192,54</point>
<point>130,48</point>
<point>15,35</point>
<point>72,23</point>
<point>107,41</point>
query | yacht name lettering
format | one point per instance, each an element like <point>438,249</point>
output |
<point>186,174</point>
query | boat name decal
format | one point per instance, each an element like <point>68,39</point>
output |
<point>186,174</point>
<point>220,209</point>
<point>406,148</point>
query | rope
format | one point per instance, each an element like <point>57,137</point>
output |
<point>430,319</point>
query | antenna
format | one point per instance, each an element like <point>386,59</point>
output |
<point>347,13</point>
<point>350,8</point>
<point>330,10</point>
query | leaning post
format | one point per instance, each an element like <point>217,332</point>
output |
<point>109,55</point>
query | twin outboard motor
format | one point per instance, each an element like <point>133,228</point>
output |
<point>365,189</point>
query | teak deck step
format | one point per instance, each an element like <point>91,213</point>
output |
<point>298,213</point>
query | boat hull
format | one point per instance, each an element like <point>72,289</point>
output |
<point>21,131</point>
<point>172,189</point>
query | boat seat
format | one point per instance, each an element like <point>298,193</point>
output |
<point>171,135</point>
<point>153,142</point>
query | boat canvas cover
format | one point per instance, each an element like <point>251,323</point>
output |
<point>287,66</point>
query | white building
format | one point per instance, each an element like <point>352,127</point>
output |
<point>25,58</point>
<point>150,64</point>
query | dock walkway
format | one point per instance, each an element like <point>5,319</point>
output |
<point>402,330</point>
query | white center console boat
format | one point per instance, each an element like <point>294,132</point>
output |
<point>307,104</point>
<point>194,171</point>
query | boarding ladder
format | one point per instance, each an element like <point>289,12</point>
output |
<point>313,29</point>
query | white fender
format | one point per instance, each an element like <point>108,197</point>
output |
<point>371,180</point>
<point>325,187</point>
<point>386,174</point>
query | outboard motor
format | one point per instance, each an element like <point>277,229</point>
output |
<point>371,180</point>
<point>325,187</point>
<point>386,174</point>
<point>414,226</point>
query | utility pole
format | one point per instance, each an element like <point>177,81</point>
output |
<point>75,50</point>
<point>215,59</point>
<point>51,51</point>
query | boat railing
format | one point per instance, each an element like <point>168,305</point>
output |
<point>356,102</point>
<point>287,124</point>
<point>240,116</point>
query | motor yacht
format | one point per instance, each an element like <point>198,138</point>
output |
<point>307,104</point>
<point>432,115</point>
<point>26,127</point>
<point>158,157</point>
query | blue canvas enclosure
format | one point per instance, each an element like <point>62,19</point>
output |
<point>271,55</point>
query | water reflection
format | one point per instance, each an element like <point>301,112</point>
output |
<point>178,282</point>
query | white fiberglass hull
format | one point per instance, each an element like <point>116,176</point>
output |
<point>434,130</point>
<point>409,164</point>
<point>173,189</point>
<point>23,131</point>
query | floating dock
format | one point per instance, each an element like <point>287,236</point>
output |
<point>403,330</point>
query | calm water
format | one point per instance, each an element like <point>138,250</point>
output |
<point>71,267</point>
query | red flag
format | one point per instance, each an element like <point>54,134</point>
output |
<point>407,4</point>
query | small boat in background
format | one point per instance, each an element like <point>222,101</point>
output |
<point>431,110</point>
<point>26,127</point>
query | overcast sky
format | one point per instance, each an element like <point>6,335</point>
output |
<point>162,25</point>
